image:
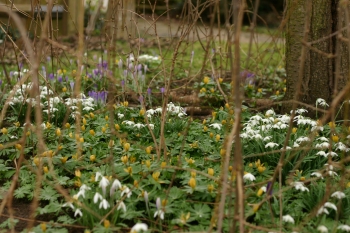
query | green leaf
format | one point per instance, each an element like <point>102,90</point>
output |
<point>49,194</point>
<point>22,191</point>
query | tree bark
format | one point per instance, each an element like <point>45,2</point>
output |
<point>323,63</point>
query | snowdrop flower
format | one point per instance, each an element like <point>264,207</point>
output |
<point>270,112</point>
<point>322,153</point>
<point>216,126</point>
<point>302,139</point>
<point>271,145</point>
<point>88,108</point>
<point>299,111</point>
<point>68,204</point>
<point>139,125</point>
<point>82,190</point>
<point>139,227</point>
<point>128,122</point>
<point>323,139</point>
<point>322,210</point>
<point>126,191</point>
<point>300,186</point>
<point>249,176</point>
<point>321,102</point>
<point>331,153</point>
<point>104,204</point>
<point>159,211</point>
<point>257,137</point>
<point>115,185</point>
<point>78,213</point>
<point>151,126</point>
<point>330,205</point>
<point>267,138</point>
<point>344,228</point>
<point>317,174</point>
<point>97,197</point>
<point>338,194</point>
<point>296,145</point>
<point>103,184</point>
<point>322,229</point>
<point>341,146</point>
<point>120,116</point>
<point>288,218</point>
<point>121,206</point>
<point>323,145</point>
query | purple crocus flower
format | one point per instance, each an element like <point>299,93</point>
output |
<point>0,82</point>
<point>104,64</point>
<point>60,78</point>
<point>141,99</point>
<point>149,91</point>
<point>139,67</point>
<point>269,188</point>
<point>20,65</point>
<point>11,74</point>
<point>123,83</point>
<point>162,90</point>
<point>125,73</point>
<point>51,76</point>
<point>72,85</point>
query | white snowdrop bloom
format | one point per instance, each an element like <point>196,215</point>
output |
<point>139,227</point>
<point>249,176</point>
<point>332,173</point>
<point>139,125</point>
<point>159,213</point>
<point>128,122</point>
<point>344,228</point>
<point>317,174</point>
<point>288,218</point>
<point>330,205</point>
<point>104,182</point>
<point>82,190</point>
<point>216,126</point>
<point>333,154</point>
<point>341,146</point>
<point>256,118</point>
<point>120,115</point>
<point>287,148</point>
<point>181,114</point>
<point>322,210</point>
<point>271,145</point>
<point>88,109</point>
<point>150,112</point>
<point>159,110</point>
<point>302,139</point>
<point>73,108</point>
<point>296,145</point>
<point>104,204</point>
<point>122,206</point>
<point>321,102</point>
<point>70,204</point>
<point>78,213</point>
<point>115,185</point>
<point>323,145</point>
<point>257,137</point>
<point>299,111</point>
<point>97,197</point>
<point>267,138</point>
<point>283,126</point>
<point>329,166</point>
<point>151,126</point>
<point>244,135</point>
<point>300,186</point>
<point>270,112</point>
<point>322,229</point>
<point>126,191</point>
<point>338,194</point>
<point>323,139</point>
<point>316,128</point>
<point>322,153</point>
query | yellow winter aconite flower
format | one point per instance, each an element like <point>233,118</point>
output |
<point>64,159</point>
<point>156,175</point>
<point>221,80</point>
<point>58,132</point>
<point>83,128</point>
<point>211,135</point>
<point>277,92</point>
<point>202,90</point>
<point>223,122</point>
<point>117,127</point>
<point>261,169</point>
<point>163,165</point>
<point>148,163</point>
<point>81,139</point>
<point>210,171</point>
<point>43,227</point>
<point>193,174</point>
<point>103,129</point>
<point>132,159</point>
<point>331,124</point>
<point>294,130</point>
<point>48,125</point>
<point>125,159</point>
<point>230,168</point>
<point>77,173</point>
<point>106,224</point>
<point>126,146</point>
<point>45,169</point>
<point>217,137</point>
<point>67,125</point>
<point>210,188</point>
<point>84,121</point>
<point>259,90</point>
<point>256,207</point>
<point>164,202</point>
<point>126,103</point>
<point>106,118</point>
<point>222,152</point>
<point>260,192</point>
<point>92,115</point>
<point>128,170</point>
<point>28,133</point>
<point>17,124</point>
<point>77,183</point>
<point>111,143</point>
<point>64,89</point>
<point>205,128</point>
<point>36,161</point>
<point>335,138</point>
<point>190,161</point>
<point>18,146</point>
<point>192,182</point>
<point>92,132</point>
<point>212,90</point>
<point>4,131</point>
<point>142,112</point>
<point>136,184</point>
<point>149,149</point>
<point>92,158</point>
<point>206,80</point>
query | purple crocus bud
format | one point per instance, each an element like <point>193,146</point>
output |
<point>120,63</point>
<point>43,68</point>
<point>125,73</point>
<point>130,66</point>
<point>123,83</point>
<point>0,82</point>
<point>149,91</point>
<point>72,85</point>
<point>11,74</point>
<point>269,188</point>
<point>51,76</point>
<point>139,67</point>
<point>20,65</point>
<point>60,79</point>
<point>104,64</point>
<point>67,78</point>
<point>48,58</point>
<point>162,90</point>
<point>141,99</point>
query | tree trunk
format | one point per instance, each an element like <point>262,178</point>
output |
<point>314,64</point>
